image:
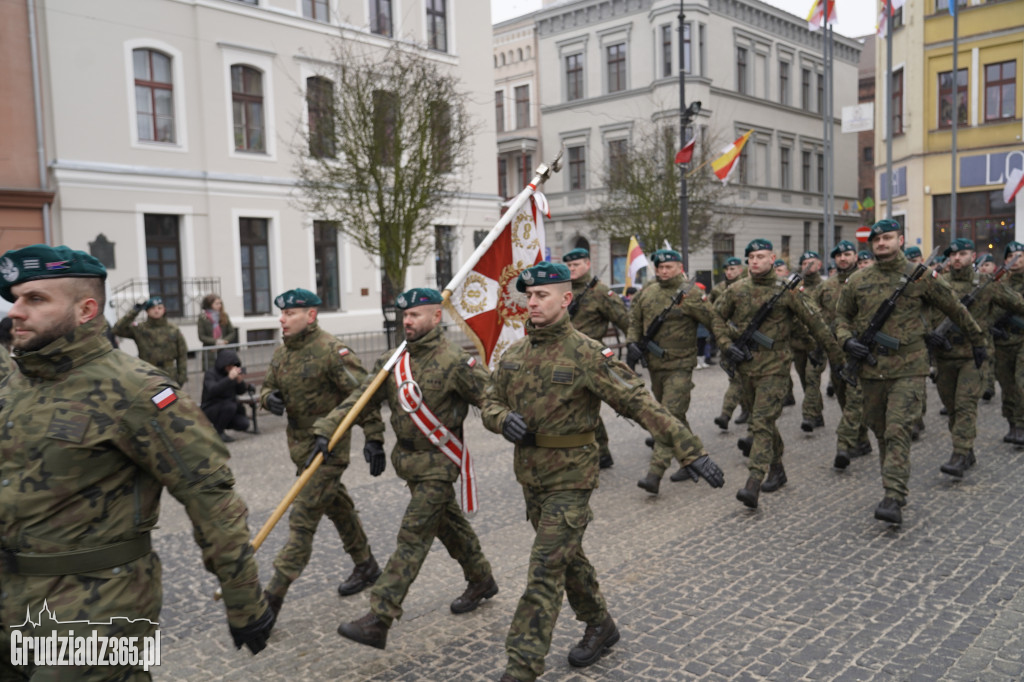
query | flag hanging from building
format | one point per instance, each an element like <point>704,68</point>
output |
<point>846,205</point>
<point>486,304</point>
<point>1013,185</point>
<point>725,164</point>
<point>868,203</point>
<point>635,260</point>
<point>686,153</point>
<point>822,12</point>
<point>888,9</point>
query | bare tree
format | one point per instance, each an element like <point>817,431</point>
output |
<point>388,135</point>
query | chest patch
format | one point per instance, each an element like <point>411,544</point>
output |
<point>68,426</point>
<point>562,374</point>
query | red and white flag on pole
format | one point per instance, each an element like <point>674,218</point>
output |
<point>1014,184</point>
<point>822,12</point>
<point>492,312</point>
<point>888,9</point>
<point>686,153</point>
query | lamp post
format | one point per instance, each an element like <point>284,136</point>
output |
<point>686,114</point>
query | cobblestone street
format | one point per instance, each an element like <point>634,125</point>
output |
<point>809,586</point>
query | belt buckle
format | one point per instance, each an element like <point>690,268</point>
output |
<point>439,441</point>
<point>412,398</point>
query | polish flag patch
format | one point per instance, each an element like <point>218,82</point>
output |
<point>471,362</point>
<point>164,398</point>
<point>343,352</point>
<point>607,352</point>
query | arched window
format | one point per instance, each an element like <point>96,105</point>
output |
<point>154,96</point>
<point>247,105</point>
<point>503,59</point>
<point>519,54</point>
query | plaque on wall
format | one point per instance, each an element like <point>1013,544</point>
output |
<point>103,250</point>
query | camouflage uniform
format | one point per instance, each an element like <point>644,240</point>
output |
<point>735,390</point>
<point>451,380</point>
<point>6,364</point>
<point>893,388</point>
<point>1009,359</point>
<point>765,379</point>
<point>671,374</point>
<point>160,344</point>
<point>315,372</point>
<point>87,451</point>
<point>803,344</point>
<point>599,306</point>
<point>556,378</point>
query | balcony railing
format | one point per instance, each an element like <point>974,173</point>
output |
<point>124,296</point>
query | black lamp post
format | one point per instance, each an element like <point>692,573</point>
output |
<point>686,114</point>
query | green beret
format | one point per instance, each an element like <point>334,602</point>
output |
<point>940,259</point>
<point>912,252</point>
<point>544,272</point>
<point>865,255</point>
<point>152,301</point>
<point>959,244</point>
<point>985,258</point>
<point>40,261</point>
<point>884,225</point>
<point>667,256</point>
<point>297,298</point>
<point>779,263</point>
<point>576,254</point>
<point>417,297</point>
<point>758,245</point>
<point>807,255</point>
<point>1012,247</point>
<point>733,260</point>
<point>842,247</point>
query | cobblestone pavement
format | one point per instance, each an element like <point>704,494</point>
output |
<point>809,586</point>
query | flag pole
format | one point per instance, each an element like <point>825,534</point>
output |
<point>956,118</point>
<point>888,108</point>
<point>544,171</point>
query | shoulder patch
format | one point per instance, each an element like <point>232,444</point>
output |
<point>607,352</point>
<point>164,398</point>
<point>471,361</point>
<point>612,294</point>
<point>342,352</point>
<point>935,274</point>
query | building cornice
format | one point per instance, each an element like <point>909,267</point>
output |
<point>586,13</point>
<point>12,197</point>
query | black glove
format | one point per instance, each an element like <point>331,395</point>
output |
<point>856,349</point>
<point>633,355</point>
<point>275,403</point>
<point>708,470</point>
<point>817,357</point>
<point>980,355</point>
<point>320,444</point>
<point>688,471</point>
<point>736,354</point>
<point>138,307</point>
<point>255,636</point>
<point>514,427</point>
<point>937,341</point>
<point>373,453</point>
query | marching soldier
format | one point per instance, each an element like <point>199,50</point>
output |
<point>310,374</point>
<point>91,437</point>
<point>1008,335</point>
<point>808,358</point>
<point>593,307</point>
<point>764,373</point>
<point>864,259</point>
<point>986,265</point>
<point>733,271</point>
<point>913,254</point>
<point>434,384</point>
<point>547,394</point>
<point>957,379</point>
<point>160,342</point>
<point>894,383</point>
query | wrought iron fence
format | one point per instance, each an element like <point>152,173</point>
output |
<point>193,289</point>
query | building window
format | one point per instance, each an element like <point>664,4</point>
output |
<point>437,25</point>
<point>385,112</point>
<point>163,260</point>
<point>617,159</point>
<point>784,83</point>
<point>499,110</point>
<point>821,92</point>
<point>981,217</point>
<point>247,104</point>
<point>616,67</point>
<point>702,47</point>
<point>443,242</point>
<point>784,153</point>
<point>743,172</point>
<point>253,234</point>
<point>821,238</point>
<point>320,105</point>
<point>946,98</point>
<point>805,168</point>
<point>526,169</point>
<point>325,260</point>
<point>1000,90</point>
<point>618,253</point>
<point>380,17</point>
<point>687,64</point>
<point>315,9</point>
<point>577,168</point>
<point>807,235</point>
<point>574,77</point>
<point>821,172</point>
<point>666,50</point>
<point>441,135</point>
<point>869,154</point>
<point>785,246</point>
<point>502,178</point>
<point>723,247</point>
<point>741,70</point>
<point>523,106</point>
<point>805,89</point>
<point>154,96</point>
<point>897,102</point>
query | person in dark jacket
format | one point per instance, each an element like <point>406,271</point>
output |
<point>221,384</point>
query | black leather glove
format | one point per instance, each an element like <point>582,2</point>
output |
<point>633,355</point>
<point>320,444</point>
<point>514,427</point>
<point>373,453</point>
<point>937,341</point>
<point>275,403</point>
<point>688,471</point>
<point>255,636</point>
<point>709,471</point>
<point>817,357</point>
<point>980,355</point>
<point>736,354</point>
<point>856,349</point>
<point>138,308</point>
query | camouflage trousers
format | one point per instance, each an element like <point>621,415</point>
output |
<point>601,435</point>
<point>131,592</point>
<point>557,565</point>
<point>891,406</point>
<point>960,386</point>
<point>433,512</point>
<point>671,388</point>
<point>763,397</point>
<point>1008,361</point>
<point>810,381</point>
<point>988,371</point>
<point>851,430</point>
<point>732,396</point>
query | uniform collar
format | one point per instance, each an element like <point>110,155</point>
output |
<point>539,335</point>
<point>965,274</point>
<point>426,343</point>
<point>897,263</point>
<point>813,279</point>
<point>844,275</point>
<point>302,338</point>
<point>768,277</point>
<point>87,342</point>
<point>673,283</point>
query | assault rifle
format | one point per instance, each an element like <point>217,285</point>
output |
<point>647,344</point>
<point>939,337</point>
<point>872,335</point>
<point>575,305</point>
<point>751,334</point>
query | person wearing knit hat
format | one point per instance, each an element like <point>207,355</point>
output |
<point>159,341</point>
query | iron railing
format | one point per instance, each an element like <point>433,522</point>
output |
<point>193,289</point>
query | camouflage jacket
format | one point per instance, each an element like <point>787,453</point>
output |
<point>6,364</point>
<point>867,289</point>
<point>740,304</point>
<point>451,381</point>
<point>719,289</point>
<point>991,303</point>
<point>678,335</point>
<point>89,439</point>
<point>556,378</point>
<point>160,344</point>
<point>600,305</point>
<point>829,297</point>
<point>314,372</point>
<point>811,288</point>
<point>1003,319</point>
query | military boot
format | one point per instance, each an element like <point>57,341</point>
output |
<point>722,421</point>
<point>274,602</point>
<point>649,441</point>
<point>474,594</point>
<point>863,448</point>
<point>650,483</point>
<point>507,678</point>
<point>889,510</point>
<point>789,401</point>
<point>955,467</point>
<point>743,418</point>
<point>987,395</point>
<point>744,444</point>
<point>842,459</point>
<point>684,474</point>
<point>1018,435</point>
<point>596,640</point>
<point>1011,435</point>
<point>363,575</point>
<point>369,630</point>
<point>807,425</point>
<point>776,478</point>
<point>748,493</point>
<point>606,461</point>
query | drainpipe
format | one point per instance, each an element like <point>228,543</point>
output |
<point>38,107</point>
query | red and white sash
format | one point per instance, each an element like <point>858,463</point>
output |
<point>410,397</point>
